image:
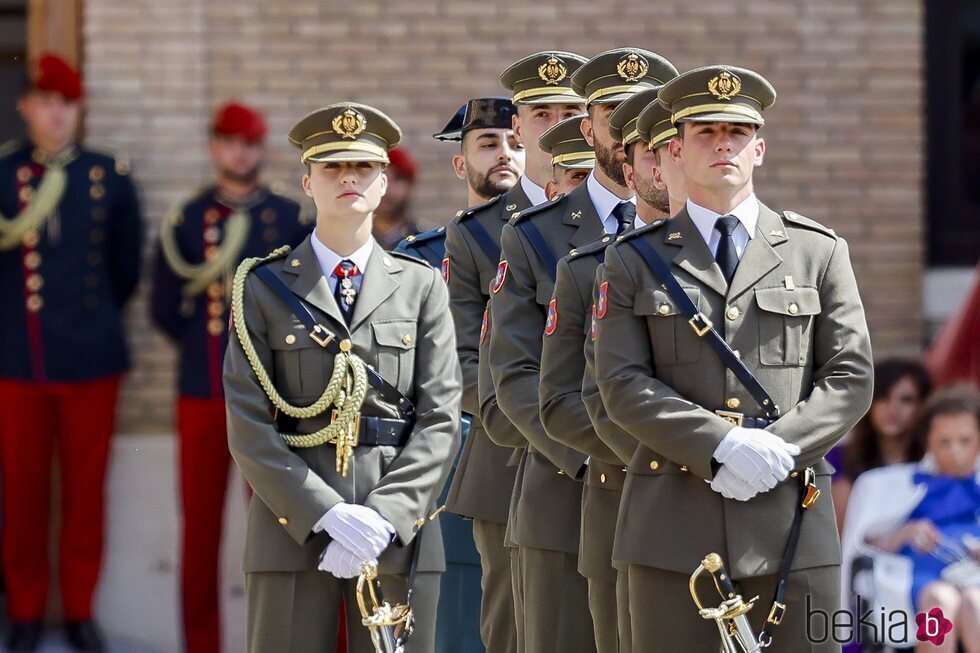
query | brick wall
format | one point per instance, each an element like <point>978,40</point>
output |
<point>844,139</point>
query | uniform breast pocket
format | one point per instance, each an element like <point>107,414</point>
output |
<point>395,351</point>
<point>786,324</point>
<point>301,367</point>
<point>671,336</point>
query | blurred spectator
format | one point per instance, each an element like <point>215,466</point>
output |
<point>393,221</point>
<point>955,353</point>
<point>925,516</point>
<point>883,436</point>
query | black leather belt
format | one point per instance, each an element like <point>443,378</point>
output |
<point>372,431</point>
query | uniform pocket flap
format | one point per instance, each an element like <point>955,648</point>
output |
<point>290,336</point>
<point>800,301</point>
<point>658,302</point>
<point>400,335</point>
<point>543,293</point>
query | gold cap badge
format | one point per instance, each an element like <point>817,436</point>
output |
<point>632,67</point>
<point>725,85</point>
<point>552,71</point>
<point>349,124</point>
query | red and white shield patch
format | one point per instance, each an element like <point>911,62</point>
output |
<point>602,304</point>
<point>445,269</point>
<point>593,332</point>
<point>552,324</point>
<point>498,281</point>
<point>485,327</point>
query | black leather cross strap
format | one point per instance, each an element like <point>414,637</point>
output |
<point>328,340</point>
<point>490,248</point>
<point>703,327</point>
<point>540,246</point>
<point>372,431</point>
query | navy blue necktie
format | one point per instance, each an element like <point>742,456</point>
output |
<point>625,213</point>
<point>344,292</point>
<point>727,256</point>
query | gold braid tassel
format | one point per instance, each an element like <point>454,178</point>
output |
<point>346,389</point>
<point>33,216</point>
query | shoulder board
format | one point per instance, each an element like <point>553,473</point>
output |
<point>800,221</point>
<point>592,248</point>
<point>10,147</point>
<point>435,234</point>
<point>653,226</point>
<point>537,208</point>
<point>473,210</point>
<point>120,160</point>
<point>402,256</point>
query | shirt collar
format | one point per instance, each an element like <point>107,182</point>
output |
<point>603,199</point>
<point>328,259</point>
<point>535,194</point>
<point>704,219</point>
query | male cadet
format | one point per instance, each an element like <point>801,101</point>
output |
<point>563,414</point>
<point>548,512</point>
<point>201,244</point>
<point>490,161</point>
<point>540,87</point>
<point>342,387</point>
<point>572,158</point>
<point>737,366</point>
<point>70,234</point>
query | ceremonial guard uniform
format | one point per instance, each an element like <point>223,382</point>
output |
<point>70,236</point>
<point>338,487</point>
<point>722,465</point>
<point>548,512</point>
<point>201,244</point>
<point>564,416</point>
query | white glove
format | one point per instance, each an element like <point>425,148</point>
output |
<point>359,528</point>
<point>341,561</point>
<point>758,457</point>
<point>731,486</point>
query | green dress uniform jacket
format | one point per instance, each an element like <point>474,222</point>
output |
<point>400,326</point>
<point>794,314</point>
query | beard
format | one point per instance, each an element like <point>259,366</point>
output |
<point>610,159</point>
<point>651,195</point>
<point>247,177</point>
<point>484,186</point>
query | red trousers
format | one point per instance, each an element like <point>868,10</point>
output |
<point>78,418</point>
<point>204,465</point>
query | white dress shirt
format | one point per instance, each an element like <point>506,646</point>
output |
<point>704,219</point>
<point>329,259</point>
<point>534,193</point>
<point>604,201</point>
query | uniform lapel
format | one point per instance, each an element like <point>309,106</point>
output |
<point>580,213</point>
<point>378,284</point>
<point>694,256</point>
<point>514,200</point>
<point>310,284</point>
<point>759,258</point>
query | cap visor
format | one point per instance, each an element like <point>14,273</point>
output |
<point>582,164</point>
<point>552,99</point>
<point>347,155</point>
<point>736,118</point>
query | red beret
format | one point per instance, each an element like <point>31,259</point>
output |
<point>52,73</point>
<point>235,119</point>
<point>402,162</point>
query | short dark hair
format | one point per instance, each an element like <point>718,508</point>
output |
<point>952,400</point>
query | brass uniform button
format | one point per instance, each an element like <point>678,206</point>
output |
<point>602,478</point>
<point>215,291</point>
<point>793,309</point>
<point>32,260</point>
<point>290,339</point>
<point>24,174</point>
<point>733,313</point>
<point>733,403</point>
<point>216,309</point>
<point>34,303</point>
<point>31,239</point>
<point>96,173</point>
<point>283,521</point>
<point>25,193</point>
<point>664,309</point>
<point>211,235</point>
<point>34,282</point>
<point>211,216</point>
<point>268,216</point>
<point>654,465</point>
<point>97,192</point>
<point>406,339</point>
<point>98,214</point>
<point>215,327</point>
